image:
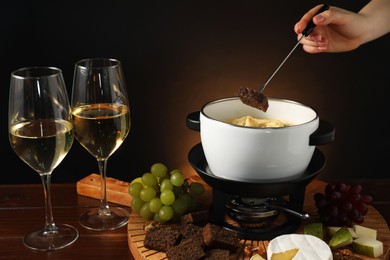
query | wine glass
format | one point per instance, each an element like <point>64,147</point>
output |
<point>41,134</point>
<point>101,118</point>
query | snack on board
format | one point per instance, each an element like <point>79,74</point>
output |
<point>187,249</point>
<point>253,98</point>
<point>217,254</point>
<point>357,242</point>
<point>215,236</point>
<point>342,204</point>
<point>368,246</point>
<point>341,238</point>
<point>192,232</point>
<point>161,239</point>
<point>285,255</point>
<point>309,247</point>
<point>197,217</point>
<point>164,196</point>
<point>206,241</point>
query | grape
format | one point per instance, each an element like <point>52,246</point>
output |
<point>157,218</point>
<point>135,188</point>
<point>359,220</point>
<point>145,211</point>
<point>356,188</point>
<point>354,214</point>
<point>354,198</point>
<point>166,185</point>
<point>167,197</point>
<point>138,179</point>
<point>178,190</point>
<point>341,187</point>
<point>367,199</point>
<point>161,179</point>
<point>159,170</point>
<point>136,204</point>
<point>165,213</point>
<point>187,198</point>
<point>177,178</point>
<point>180,206</point>
<point>163,197</point>
<point>147,194</point>
<point>155,205</point>
<point>334,196</point>
<point>322,203</point>
<point>196,189</point>
<point>362,208</point>
<point>342,217</point>
<point>333,211</point>
<point>346,207</point>
<point>149,179</point>
<point>342,204</point>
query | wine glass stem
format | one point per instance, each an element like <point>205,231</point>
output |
<point>49,223</point>
<point>104,207</point>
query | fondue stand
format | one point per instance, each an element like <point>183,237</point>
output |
<point>257,210</point>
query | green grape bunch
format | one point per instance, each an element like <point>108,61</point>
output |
<point>164,196</point>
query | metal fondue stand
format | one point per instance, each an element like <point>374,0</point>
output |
<point>266,223</point>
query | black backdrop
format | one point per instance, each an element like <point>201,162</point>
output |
<point>177,55</point>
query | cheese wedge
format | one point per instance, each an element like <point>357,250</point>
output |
<point>309,247</point>
<point>286,255</point>
<point>365,231</point>
<point>366,245</point>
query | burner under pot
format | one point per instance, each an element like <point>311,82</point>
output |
<point>255,218</point>
<point>250,210</point>
<point>256,210</point>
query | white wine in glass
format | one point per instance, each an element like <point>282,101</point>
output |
<point>101,118</point>
<point>41,134</point>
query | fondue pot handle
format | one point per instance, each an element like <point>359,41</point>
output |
<point>193,121</point>
<point>323,135</point>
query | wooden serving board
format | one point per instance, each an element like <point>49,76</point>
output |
<point>373,219</point>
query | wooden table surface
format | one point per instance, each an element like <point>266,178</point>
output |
<point>22,209</point>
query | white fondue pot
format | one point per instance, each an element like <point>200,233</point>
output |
<point>259,154</point>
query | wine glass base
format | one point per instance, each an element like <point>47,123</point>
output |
<point>44,240</point>
<point>95,220</point>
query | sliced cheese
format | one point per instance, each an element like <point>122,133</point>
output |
<point>365,231</point>
<point>368,246</point>
<point>286,255</point>
<point>256,257</point>
<point>309,247</point>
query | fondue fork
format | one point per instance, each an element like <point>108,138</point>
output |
<point>257,99</point>
<point>309,28</point>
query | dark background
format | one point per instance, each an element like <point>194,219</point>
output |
<point>178,55</point>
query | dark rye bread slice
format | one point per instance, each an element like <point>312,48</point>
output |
<point>161,239</point>
<point>217,254</point>
<point>193,233</point>
<point>187,250</point>
<point>253,98</point>
<point>198,217</point>
<point>215,236</point>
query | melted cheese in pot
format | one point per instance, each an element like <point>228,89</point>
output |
<point>250,121</point>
